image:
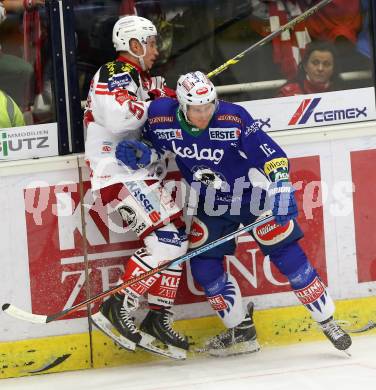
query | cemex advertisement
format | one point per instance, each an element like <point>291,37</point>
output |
<point>323,109</point>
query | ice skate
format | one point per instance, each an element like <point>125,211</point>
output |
<point>113,315</point>
<point>159,337</point>
<point>234,341</point>
<point>338,337</point>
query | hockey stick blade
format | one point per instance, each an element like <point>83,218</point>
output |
<point>23,315</point>
<point>41,319</point>
<point>300,18</point>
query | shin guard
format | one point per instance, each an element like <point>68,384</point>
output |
<point>136,266</point>
<point>313,294</point>
<point>163,292</point>
<point>225,298</point>
<point>304,280</point>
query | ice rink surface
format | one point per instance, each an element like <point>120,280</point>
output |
<point>309,366</point>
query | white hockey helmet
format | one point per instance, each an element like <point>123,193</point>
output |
<point>194,89</point>
<point>132,27</point>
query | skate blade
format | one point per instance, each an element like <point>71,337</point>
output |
<point>347,353</point>
<point>170,351</point>
<point>237,349</point>
<point>104,325</point>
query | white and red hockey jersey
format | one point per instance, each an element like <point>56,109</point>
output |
<point>116,109</point>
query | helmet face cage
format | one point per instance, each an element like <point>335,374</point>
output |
<point>195,89</point>
<point>132,27</point>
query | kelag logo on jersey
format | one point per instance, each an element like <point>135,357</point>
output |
<point>119,81</point>
<point>230,134</point>
<point>307,109</point>
<point>209,154</point>
<point>169,134</point>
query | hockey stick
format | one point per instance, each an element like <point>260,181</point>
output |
<point>365,328</point>
<point>269,37</point>
<point>43,319</point>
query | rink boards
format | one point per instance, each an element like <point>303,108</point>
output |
<point>279,326</point>
<point>47,267</point>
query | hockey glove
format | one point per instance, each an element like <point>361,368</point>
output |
<point>282,201</point>
<point>158,88</point>
<point>163,92</point>
<point>134,154</point>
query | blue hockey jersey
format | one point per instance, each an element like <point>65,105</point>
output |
<point>220,156</point>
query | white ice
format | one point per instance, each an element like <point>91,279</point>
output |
<point>310,366</point>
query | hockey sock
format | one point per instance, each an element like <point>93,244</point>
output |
<point>163,291</point>
<point>135,267</point>
<point>304,280</point>
<point>225,298</point>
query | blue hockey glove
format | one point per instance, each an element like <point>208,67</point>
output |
<point>134,154</point>
<point>282,201</point>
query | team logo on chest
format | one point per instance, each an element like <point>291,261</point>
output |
<point>214,155</point>
<point>230,134</point>
<point>169,134</point>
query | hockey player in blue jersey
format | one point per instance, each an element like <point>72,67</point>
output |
<point>241,174</point>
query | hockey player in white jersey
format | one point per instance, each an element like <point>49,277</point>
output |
<point>117,104</point>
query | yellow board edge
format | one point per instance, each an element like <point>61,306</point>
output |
<point>278,326</point>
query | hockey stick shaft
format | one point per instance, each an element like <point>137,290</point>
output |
<point>371,325</point>
<point>269,37</point>
<point>18,313</point>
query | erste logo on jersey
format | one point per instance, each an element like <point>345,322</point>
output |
<point>169,134</point>
<point>218,134</point>
<point>119,81</point>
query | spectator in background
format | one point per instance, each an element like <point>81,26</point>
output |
<point>17,5</point>
<point>318,72</point>
<point>339,20</point>
<point>17,75</point>
<point>10,114</point>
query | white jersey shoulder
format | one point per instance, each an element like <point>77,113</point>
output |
<point>116,109</point>
<point>117,98</point>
